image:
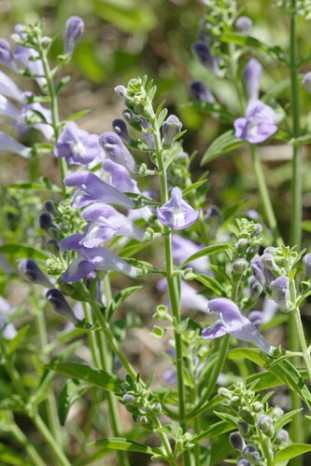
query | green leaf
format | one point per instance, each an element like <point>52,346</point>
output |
<point>123,444</point>
<point>77,115</point>
<point>119,298</point>
<point>173,153</point>
<point>291,451</point>
<point>285,419</point>
<point>306,225</point>
<point>193,187</point>
<point>207,108</point>
<point>34,186</point>
<point>71,392</point>
<point>251,42</point>
<point>213,431</point>
<point>221,145</point>
<point>207,251</point>
<point>128,15</point>
<point>283,370</point>
<point>94,376</point>
<point>210,283</point>
<point>20,250</point>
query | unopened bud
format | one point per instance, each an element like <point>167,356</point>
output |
<point>171,128</point>
<point>307,265</point>
<point>307,82</point>
<point>239,266</point>
<point>237,441</point>
<point>283,436</point>
<point>50,207</point>
<point>74,30</point>
<point>246,416</point>
<point>128,399</point>
<point>265,423</point>
<point>268,261</point>
<point>33,273</point>
<point>45,221</point>
<point>255,287</point>
<point>257,406</point>
<point>243,24</point>
<point>60,305</point>
<point>243,428</point>
<point>252,454</point>
<point>242,244</point>
<point>242,462</point>
<point>280,292</point>
<point>119,127</point>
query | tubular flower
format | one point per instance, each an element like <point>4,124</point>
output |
<point>259,123</point>
<point>177,214</point>
<point>116,151</point>
<point>231,321</point>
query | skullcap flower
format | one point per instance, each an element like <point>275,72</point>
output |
<point>231,321</point>
<point>252,74</point>
<point>200,92</point>
<point>8,144</point>
<point>177,214</point>
<point>60,305</point>
<point>74,30</point>
<point>116,150</point>
<point>258,124</point>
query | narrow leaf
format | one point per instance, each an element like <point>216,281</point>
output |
<point>291,451</point>
<point>207,251</point>
<point>20,250</point>
<point>223,144</point>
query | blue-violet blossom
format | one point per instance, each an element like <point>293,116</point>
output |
<point>177,214</point>
<point>252,74</point>
<point>231,321</point>
<point>117,151</point>
<point>259,123</point>
<point>74,30</point>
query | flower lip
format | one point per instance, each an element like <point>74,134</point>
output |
<point>177,214</point>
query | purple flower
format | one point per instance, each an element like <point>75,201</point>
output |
<point>116,150</point>
<point>6,55</point>
<point>60,305</point>
<point>184,248</point>
<point>120,128</point>
<point>231,321</point>
<point>280,292</point>
<point>28,118</point>
<point>307,265</point>
<point>263,275</point>
<point>30,268</point>
<point>177,214</point>
<point>88,260</point>
<point>7,329</point>
<point>92,189</point>
<point>307,82</point>
<point>259,124</point>
<point>243,24</point>
<point>171,128</point>
<point>206,58</point>
<point>105,223</point>
<point>78,146</point>
<point>74,30</point>
<point>9,89</point>
<point>252,74</point>
<point>8,144</point>
<point>200,92</point>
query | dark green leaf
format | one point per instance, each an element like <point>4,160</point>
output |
<point>119,298</point>
<point>207,251</point>
<point>213,431</point>
<point>77,115</point>
<point>221,145</point>
<point>291,451</point>
<point>20,250</point>
<point>93,376</point>
<point>193,187</point>
<point>251,42</point>
<point>71,392</point>
<point>118,443</point>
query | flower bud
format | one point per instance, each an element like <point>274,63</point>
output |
<point>257,406</point>
<point>200,92</point>
<point>243,428</point>
<point>242,244</point>
<point>60,305</point>
<point>242,462</point>
<point>237,441</point>
<point>171,128</point>
<point>255,287</point>
<point>239,266</point>
<point>33,273</point>
<point>268,261</point>
<point>224,392</point>
<point>307,264</point>
<point>265,423</point>
<point>252,75</point>
<point>307,82</point>
<point>45,221</point>
<point>243,24</point>
<point>50,207</point>
<point>258,271</point>
<point>6,55</point>
<point>128,399</point>
<point>246,416</point>
<point>252,454</point>
<point>277,411</point>
<point>119,127</point>
<point>280,292</point>
<point>74,30</point>
<point>283,436</point>
<point>206,58</point>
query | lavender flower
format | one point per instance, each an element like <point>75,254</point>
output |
<point>90,260</point>
<point>120,128</point>
<point>6,55</point>
<point>78,146</point>
<point>206,58</point>
<point>280,292</point>
<point>74,30</point>
<point>9,89</point>
<point>7,329</point>
<point>60,305</point>
<point>28,118</point>
<point>105,223</point>
<point>117,151</point>
<point>92,189</point>
<point>200,92</point>
<point>177,214</point>
<point>232,321</point>
<point>307,82</point>
<point>30,268</point>
<point>8,144</point>
<point>243,24</point>
<point>252,74</point>
<point>171,128</point>
<point>307,265</point>
<point>184,248</point>
<point>259,123</point>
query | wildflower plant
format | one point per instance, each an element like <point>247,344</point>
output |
<point>213,270</point>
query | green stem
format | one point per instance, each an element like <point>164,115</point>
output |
<point>264,193</point>
<point>297,433</point>
<point>54,111</point>
<point>266,447</point>
<point>24,441</point>
<point>50,439</point>
<point>302,340</point>
<point>172,284</point>
<point>50,401</point>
